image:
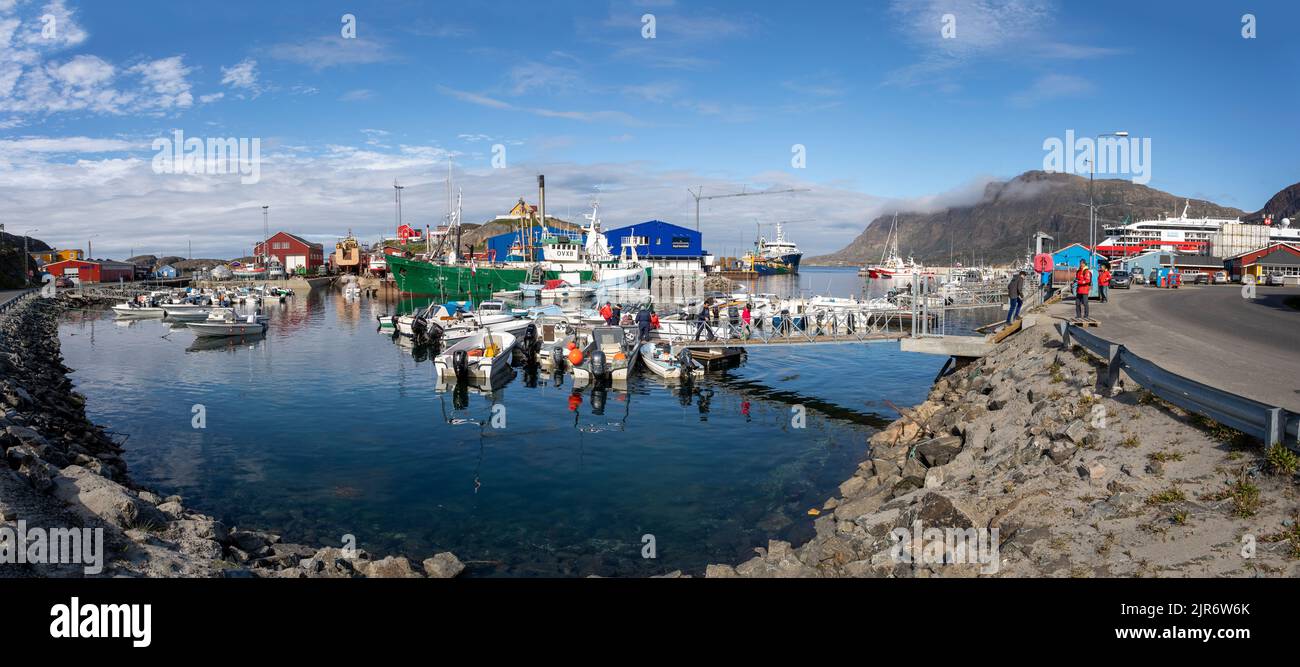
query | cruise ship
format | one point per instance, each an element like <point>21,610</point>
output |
<point>1181,234</point>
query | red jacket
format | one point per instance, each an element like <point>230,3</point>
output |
<point>1103,278</point>
<point>1083,280</point>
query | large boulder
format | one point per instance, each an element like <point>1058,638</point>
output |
<point>443,566</point>
<point>92,495</point>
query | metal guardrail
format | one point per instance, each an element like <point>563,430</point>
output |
<point>1269,423</point>
<point>13,300</point>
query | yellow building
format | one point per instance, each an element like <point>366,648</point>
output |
<point>56,255</point>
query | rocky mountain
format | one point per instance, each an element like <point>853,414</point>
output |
<point>997,227</point>
<point>11,259</point>
<point>1285,204</point>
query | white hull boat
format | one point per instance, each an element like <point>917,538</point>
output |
<point>617,355</point>
<point>658,357</point>
<point>478,357</point>
<point>131,310</point>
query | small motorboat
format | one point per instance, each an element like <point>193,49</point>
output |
<point>560,290</point>
<point>531,290</point>
<point>185,314</point>
<point>227,322</point>
<point>477,357</point>
<point>137,309</point>
<point>555,336</point>
<point>608,354</point>
<point>658,357</point>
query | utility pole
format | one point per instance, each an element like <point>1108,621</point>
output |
<point>398,189</point>
<point>699,196</point>
<point>266,233</point>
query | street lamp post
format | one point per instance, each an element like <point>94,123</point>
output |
<point>1092,209</point>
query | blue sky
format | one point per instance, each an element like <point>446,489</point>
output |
<point>891,114</point>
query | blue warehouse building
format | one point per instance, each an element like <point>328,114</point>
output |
<point>660,244</point>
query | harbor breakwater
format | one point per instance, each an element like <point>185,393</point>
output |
<point>62,473</point>
<point>1021,464</point>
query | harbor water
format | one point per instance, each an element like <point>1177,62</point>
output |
<point>326,428</point>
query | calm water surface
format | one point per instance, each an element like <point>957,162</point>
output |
<point>326,427</point>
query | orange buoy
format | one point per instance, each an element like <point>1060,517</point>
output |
<point>620,355</point>
<point>476,352</point>
<point>571,346</point>
<point>575,357</point>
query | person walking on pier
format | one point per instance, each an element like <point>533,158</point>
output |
<point>1103,283</point>
<point>1082,286</point>
<point>643,323</point>
<point>746,318</point>
<point>1015,296</point>
<point>702,321</point>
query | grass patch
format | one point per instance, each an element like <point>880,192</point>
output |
<point>1179,518</point>
<point>1217,431</point>
<point>1290,535</point>
<point>1280,460</point>
<point>1244,496</point>
<point>1165,456</point>
<point>1170,495</point>
<point>1130,442</point>
<point>1055,370</point>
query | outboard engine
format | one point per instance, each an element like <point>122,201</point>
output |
<point>687,362</point>
<point>460,364</point>
<point>557,356</point>
<point>530,342</point>
<point>419,330</point>
<point>598,365</point>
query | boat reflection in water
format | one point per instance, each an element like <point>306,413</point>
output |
<point>225,343</point>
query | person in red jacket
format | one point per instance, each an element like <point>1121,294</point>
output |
<point>1103,283</point>
<point>1082,286</point>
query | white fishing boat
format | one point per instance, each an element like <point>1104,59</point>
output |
<point>561,290</point>
<point>555,335</point>
<point>891,264</point>
<point>228,322</point>
<point>658,357</point>
<point>477,357</point>
<point>565,256</point>
<point>608,353</point>
<point>186,314</point>
<point>133,309</point>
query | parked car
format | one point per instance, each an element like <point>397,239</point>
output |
<point>1221,278</point>
<point>63,281</point>
<point>1120,280</point>
<point>1275,279</point>
<point>1138,276</point>
<point>1200,279</point>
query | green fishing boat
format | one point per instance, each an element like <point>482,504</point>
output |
<point>422,278</point>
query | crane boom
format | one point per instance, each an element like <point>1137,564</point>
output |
<point>699,196</point>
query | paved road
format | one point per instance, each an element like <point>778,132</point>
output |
<point>1211,334</point>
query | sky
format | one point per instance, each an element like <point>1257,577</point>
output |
<point>866,107</point>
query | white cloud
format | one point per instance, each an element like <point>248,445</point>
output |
<point>359,95</point>
<point>1001,30</point>
<point>34,80</point>
<point>604,116</point>
<point>1052,87</point>
<point>213,97</point>
<point>241,75</point>
<point>165,79</point>
<point>320,192</point>
<point>332,51</point>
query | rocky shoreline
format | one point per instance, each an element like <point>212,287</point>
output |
<point>61,471</point>
<point>1077,480</point>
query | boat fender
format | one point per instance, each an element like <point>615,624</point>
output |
<point>598,362</point>
<point>460,364</point>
